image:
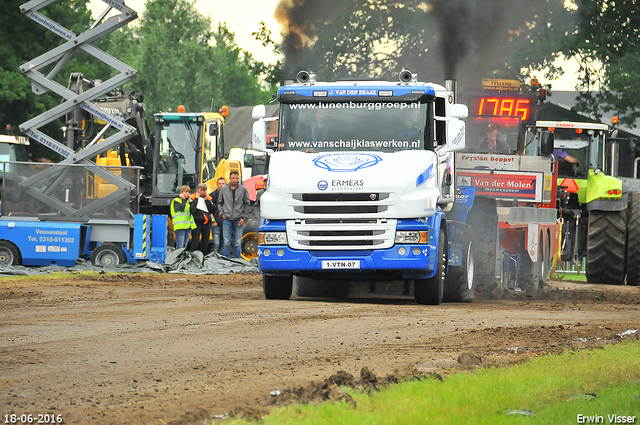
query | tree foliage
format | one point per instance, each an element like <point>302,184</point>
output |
<point>463,39</point>
<point>21,40</point>
<point>607,44</point>
<point>181,60</point>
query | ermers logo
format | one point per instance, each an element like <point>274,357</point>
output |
<point>322,185</point>
<point>346,162</point>
<point>347,183</point>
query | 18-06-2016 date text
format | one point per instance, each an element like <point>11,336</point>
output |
<point>26,418</point>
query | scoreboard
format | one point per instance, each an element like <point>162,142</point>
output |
<point>503,105</point>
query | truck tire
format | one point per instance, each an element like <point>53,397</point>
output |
<point>460,282</point>
<point>606,247</point>
<point>430,291</point>
<point>277,287</point>
<point>9,254</point>
<point>633,240</point>
<point>108,255</point>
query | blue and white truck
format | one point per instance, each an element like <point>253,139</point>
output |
<point>362,187</point>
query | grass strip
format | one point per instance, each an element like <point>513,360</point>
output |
<point>542,386</point>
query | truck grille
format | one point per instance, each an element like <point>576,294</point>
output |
<point>341,209</point>
<point>338,234</point>
<point>341,203</point>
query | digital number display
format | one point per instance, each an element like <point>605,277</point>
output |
<point>503,106</point>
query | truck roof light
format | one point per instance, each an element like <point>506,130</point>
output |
<point>614,120</point>
<point>224,111</point>
<point>180,108</point>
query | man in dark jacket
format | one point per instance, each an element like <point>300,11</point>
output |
<point>493,142</point>
<point>233,204</point>
<point>217,226</point>
<point>202,210</point>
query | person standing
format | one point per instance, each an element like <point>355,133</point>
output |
<point>202,210</point>
<point>233,204</point>
<point>181,217</point>
<point>217,226</point>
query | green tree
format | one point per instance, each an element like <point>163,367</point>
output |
<point>22,39</point>
<point>463,39</point>
<point>181,60</point>
<point>608,34</point>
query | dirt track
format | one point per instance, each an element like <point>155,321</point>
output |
<point>154,349</point>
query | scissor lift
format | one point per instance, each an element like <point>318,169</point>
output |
<point>62,192</point>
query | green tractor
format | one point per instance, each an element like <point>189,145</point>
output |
<point>600,213</point>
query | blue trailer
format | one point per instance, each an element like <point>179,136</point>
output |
<point>41,243</point>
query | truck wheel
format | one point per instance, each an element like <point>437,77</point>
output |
<point>606,243</point>
<point>108,255</point>
<point>277,287</point>
<point>460,282</point>
<point>9,254</point>
<point>430,291</point>
<point>633,240</point>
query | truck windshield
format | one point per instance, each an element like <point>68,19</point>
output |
<point>350,126</point>
<point>177,155</point>
<point>492,135</point>
<point>12,152</point>
<point>587,146</point>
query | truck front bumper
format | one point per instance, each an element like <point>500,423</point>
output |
<point>413,261</point>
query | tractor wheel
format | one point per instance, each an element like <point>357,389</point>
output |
<point>460,281</point>
<point>108,255</point>
<point>606,243</point>
<point>430,291</point>
<point>633,240</point>
<point>249,246</point>
<point>9,254</point>
<point>277,287</point>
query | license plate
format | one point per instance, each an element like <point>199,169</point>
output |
<point>353,264</point>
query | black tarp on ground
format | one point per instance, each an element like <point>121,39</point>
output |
<point>178,261</point>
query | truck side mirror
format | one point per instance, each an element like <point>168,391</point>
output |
<point>213,129</point>
<point>459,110</point>
<point>248,160</point>
<point>259,136</point>
<point>258,111</point>
<point>546,143</point>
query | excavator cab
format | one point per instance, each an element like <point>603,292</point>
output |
<point>189,149</point>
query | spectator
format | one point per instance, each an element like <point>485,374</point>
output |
<point>181,217</point>
<point>217,226</point>
<point>233,204</point>
<point>202,210</point>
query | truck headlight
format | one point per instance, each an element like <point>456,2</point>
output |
<point>272,238</point>
<point>411,237</point>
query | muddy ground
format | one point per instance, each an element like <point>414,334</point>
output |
<point>173,348</point>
